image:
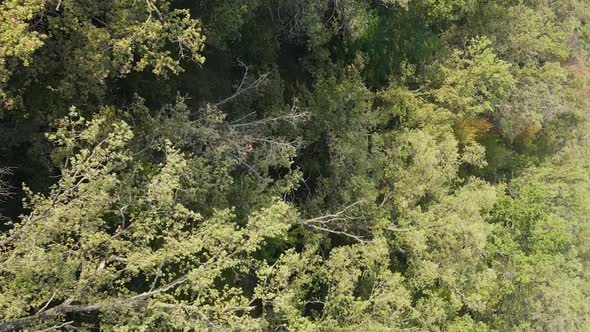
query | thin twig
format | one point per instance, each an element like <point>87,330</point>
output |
<point>47,304</point>
<point>59,326</point>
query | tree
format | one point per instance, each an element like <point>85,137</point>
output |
<point>338,165</point>
<point>92,43</point>
<point>108,238</point>
<point>473,81</point>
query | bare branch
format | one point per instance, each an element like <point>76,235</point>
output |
<point>158,275</point>
<point>244,117</point>
<point>292,118</point>
<point>333,231</point>
<point>58,326</point>
<point>335,223</point>
<point>67,308</point>
<point>47,304</point>
<point>241,89</point>
<point>5,188</point>
<point>152,6</point>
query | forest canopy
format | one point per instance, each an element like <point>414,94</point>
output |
<point>295,165</point>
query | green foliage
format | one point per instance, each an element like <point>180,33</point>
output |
<point>386,165</point>
<point>92,42</point>
<point>17,43</point>
<point>473,81</point>
<point>127,238</point>
<point>536,250</point>
<point>541,95</point>
<point>354,289</point>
